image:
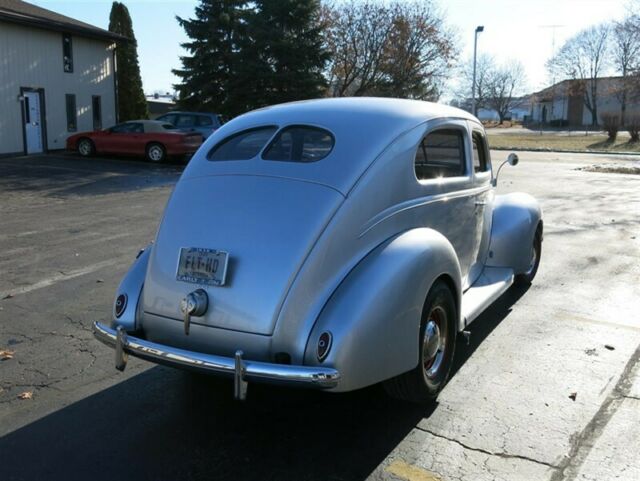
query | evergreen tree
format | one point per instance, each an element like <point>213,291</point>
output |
<point>208,74</point>
<point>131,101</point>
<point>283,56</point>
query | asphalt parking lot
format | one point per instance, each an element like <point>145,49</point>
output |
<point>547,389</point>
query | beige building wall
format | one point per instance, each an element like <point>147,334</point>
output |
<point>32,57</point>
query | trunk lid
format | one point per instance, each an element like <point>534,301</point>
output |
<point>267,225</point>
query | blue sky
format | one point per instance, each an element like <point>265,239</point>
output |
<point>513,29</point>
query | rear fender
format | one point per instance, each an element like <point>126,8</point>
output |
<point>131,287</point>
<point>516,218</point>
<point>374,315</point>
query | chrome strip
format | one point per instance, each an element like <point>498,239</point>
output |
<point>309,376</point>
<point>419,202</point>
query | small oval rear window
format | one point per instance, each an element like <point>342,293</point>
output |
<point>300,143</point>
<point>244,145</point>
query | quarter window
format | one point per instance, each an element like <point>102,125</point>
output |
<point>72,115</point>
<point>480,163</point>
<point>440,154</point>
<point>67,53</point>
<point>242,146</point>
<point>300,144</point>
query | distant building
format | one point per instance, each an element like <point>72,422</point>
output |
<point>563,102</point>
<point>56,78</point>
<point>519,110</point>
<point>160,104</point>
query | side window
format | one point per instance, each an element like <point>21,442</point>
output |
<point>67,53</point>
<point>243,145</point>
<point>440,154</point>
<point>72,113</point>
<point>204,121</point>
<point>137,128</point>
<point>185,121</point>
<point>122,128</point>
<point>480,163</point>
<point>300,144</point>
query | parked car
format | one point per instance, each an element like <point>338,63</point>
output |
<point>204,123</point>
<point>154,140</point>
<point>330,244</point>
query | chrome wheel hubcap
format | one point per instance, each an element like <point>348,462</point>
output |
<point>155,153</point>
<point>534,259</point>
<point>84,148</point>
<point>434,342</point>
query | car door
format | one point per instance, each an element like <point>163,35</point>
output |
<point>443,169</point>
<point>185,122</point>
<point>123,138</point>
<point>483,200</point>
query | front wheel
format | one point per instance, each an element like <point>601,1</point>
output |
<point>86,147</point>
<point>438,330</point>
<point>534,261</point>
<point>156,153</point>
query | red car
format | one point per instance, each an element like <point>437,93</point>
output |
<point>156,141</point>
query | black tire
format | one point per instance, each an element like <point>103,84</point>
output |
<point>426,380</point>
<point>86,147</point>
<point>526,278</point>
<point>156,153</point>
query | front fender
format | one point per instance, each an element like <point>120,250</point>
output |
<point>516,217</point>
<point>131,286</point>
<point>374,315</point>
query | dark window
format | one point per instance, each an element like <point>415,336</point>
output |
<point>204,121</point>
<point>123,128</point>
<point>67,52</point>
<point>96,107</point>
<point>185,121</point>
<point>480,163</point>
<point>171,118</point>
<point>169,126</point>
<point>72,114</point>
<point>137,128</point>
<point>242,146</point>
<point>300,144</point>
<point>440,154</point>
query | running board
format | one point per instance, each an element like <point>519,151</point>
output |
<point>492,283</point>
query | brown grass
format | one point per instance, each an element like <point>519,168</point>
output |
<point>591,143</point>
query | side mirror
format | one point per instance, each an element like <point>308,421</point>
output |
<point>512,159</point>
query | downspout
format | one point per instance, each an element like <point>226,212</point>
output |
<point>115,81</point>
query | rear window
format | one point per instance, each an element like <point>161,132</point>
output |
<point>204,121</point>
<point>242,146</point>
<point>300,144</point>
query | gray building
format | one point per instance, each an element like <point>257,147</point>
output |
<point>57,77</point>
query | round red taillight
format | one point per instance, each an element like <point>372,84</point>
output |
<point>121,304</point>
<point>324,344</point>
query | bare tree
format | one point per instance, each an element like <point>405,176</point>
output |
<point>485,65</point>
<point>626,59</point>
<point>398,49</point>
<point>504,84</point>
<point>583,58</point>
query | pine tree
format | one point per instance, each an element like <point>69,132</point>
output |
<point>131,101</point>
<point>285,58</point>
<point>208,74</point>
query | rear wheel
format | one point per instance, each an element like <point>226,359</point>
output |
<point>156,153</point>
<point>438,331</point>
<point>536,251</point>
<point>86,147</point>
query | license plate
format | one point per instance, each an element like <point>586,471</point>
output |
<point>202,266</point>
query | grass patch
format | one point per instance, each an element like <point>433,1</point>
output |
<point>533,141</point>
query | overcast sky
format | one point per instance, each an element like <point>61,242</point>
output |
<point>518,29</point>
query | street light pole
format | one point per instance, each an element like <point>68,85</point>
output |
<point>479,29</point>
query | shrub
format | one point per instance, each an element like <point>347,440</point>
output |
<point>611,125</point>
<point>632,125</point>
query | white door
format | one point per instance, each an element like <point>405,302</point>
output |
<point>33,122</point>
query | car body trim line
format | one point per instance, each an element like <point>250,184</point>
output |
<point>309,376</point>
<point>419,202</point>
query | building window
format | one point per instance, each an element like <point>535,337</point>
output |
<point>67,53</point>
<point>72,114</point>
<point>96,107</point>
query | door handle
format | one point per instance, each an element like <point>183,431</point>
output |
<point>480,202</point>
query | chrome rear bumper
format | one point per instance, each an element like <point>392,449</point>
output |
<point>240,369</point>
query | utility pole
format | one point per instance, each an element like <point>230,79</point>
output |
<point>479,28</point>
<point>553,75</point>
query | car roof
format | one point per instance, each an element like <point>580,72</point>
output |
<point>188,113</point>
<point>363,127</point>
<point>149,125</point>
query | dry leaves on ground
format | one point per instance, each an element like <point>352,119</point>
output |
<point>4,355</point>
<point>26,395</point>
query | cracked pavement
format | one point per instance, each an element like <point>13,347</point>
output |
<point>70,228</point>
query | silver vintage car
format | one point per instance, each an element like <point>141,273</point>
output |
<point>328,244</point>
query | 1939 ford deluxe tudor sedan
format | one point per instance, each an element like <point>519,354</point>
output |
<point>328,244</point>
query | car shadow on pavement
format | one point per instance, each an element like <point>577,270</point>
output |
<point>165,424</point>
